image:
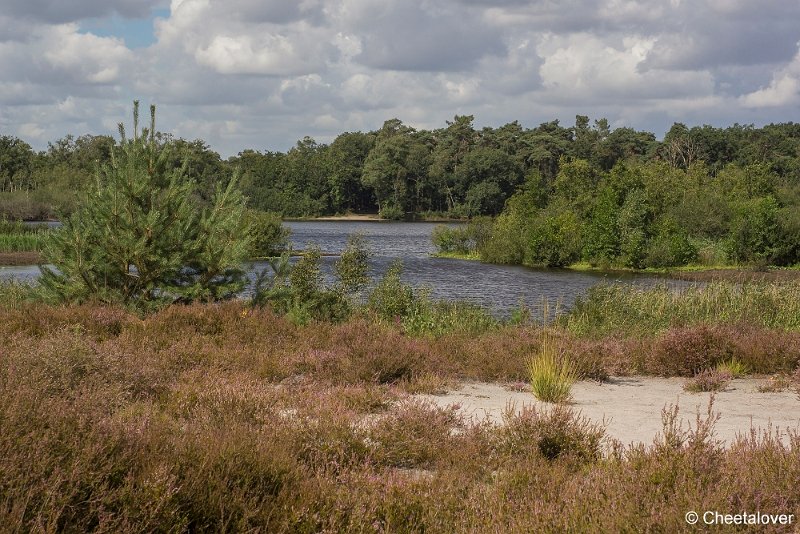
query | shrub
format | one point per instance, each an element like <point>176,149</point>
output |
<point>352,268</point>
<point>551,375</point>
<point>671,246</point>
<point>553,433</point>
<point>450,239</point>
<point>413,435</point>
<point>756,234</point>
<point>686,351</point>
<point>298,291</point>
<point>391,298</point>
<point>553,240</point>
<point>392,212</point>
<point>268,237</point>
<point>709,380</point>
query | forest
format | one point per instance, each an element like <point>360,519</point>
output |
<point>559,195</point>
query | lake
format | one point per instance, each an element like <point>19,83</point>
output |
<point>498,287</point>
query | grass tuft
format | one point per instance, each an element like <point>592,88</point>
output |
<point>733,367</point>
<point>551,376</point>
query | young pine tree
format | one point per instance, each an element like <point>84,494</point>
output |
<point>141,236</point>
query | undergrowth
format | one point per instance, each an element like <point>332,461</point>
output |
<point>225,418</point>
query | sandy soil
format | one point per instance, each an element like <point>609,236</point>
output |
<point>350,217</point>
<point>631,407</point>
<point>19,258</point>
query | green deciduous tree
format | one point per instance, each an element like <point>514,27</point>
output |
<point>756,232</point>
<point>268,237</point>
<point>602,234</point>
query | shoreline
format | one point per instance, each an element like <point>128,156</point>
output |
<point>691,273</point>
<point>368,217</point>
<point>19,259</point>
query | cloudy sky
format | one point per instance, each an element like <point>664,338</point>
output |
<point>264,73</point>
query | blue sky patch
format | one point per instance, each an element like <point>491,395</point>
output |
<point>137,33</point>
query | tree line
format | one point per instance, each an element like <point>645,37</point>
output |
<point>558,194</point>
<point>401,172</point>
<point>641,214</point>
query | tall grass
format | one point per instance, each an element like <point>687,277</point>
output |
<point>621,309</point>
<point>22,242</point>
<point>14,293</point>
<point>18,237</point>
<point>551,375</point>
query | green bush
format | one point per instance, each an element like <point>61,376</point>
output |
<point>352,268</point>
<point>309,297</point>
<point>553,240</point>
<point>670,247</point>
<point>392,212</point>
<point>298,290</point>
<point>756,234</point>
<point>453,239</point>
<point>391,298</point>
<point>268,237</point>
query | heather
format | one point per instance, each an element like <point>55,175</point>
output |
<point>226,417</point>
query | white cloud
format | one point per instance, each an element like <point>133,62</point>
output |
<point>585,67</point>
<point>264,73</point>
<point>783,89</point>
<point>271,55</point>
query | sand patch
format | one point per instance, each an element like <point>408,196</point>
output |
<point>631,406</point>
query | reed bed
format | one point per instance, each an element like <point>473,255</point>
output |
<point>22,242</point>
<point>620,309</point>
<point>18,237</point>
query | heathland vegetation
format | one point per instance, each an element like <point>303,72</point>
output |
<point>137,394</point>
<point>232,417</point>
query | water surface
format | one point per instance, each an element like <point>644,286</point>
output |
<point>499,287</point>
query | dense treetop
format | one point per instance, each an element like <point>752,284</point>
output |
<point>456,170</point>
<point>558,194</point>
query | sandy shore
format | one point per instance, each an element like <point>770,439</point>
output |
<point>19,258</point>
<point>351,217</point>
<point>369,217</point>
<point>631,407</point>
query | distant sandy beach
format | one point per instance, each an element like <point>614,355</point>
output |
<point>349,217</point>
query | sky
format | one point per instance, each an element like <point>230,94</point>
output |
<point>261,74</point>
